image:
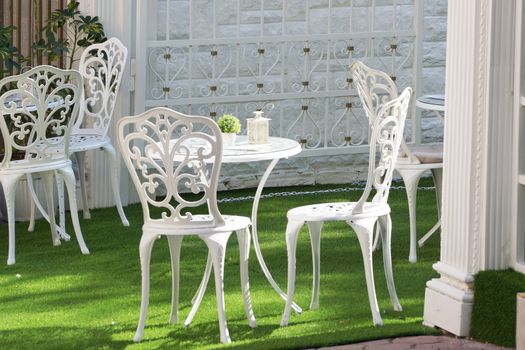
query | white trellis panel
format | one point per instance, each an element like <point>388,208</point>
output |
<point>289,58</point>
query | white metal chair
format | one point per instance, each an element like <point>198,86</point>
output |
<point>39,108</point>
<point>386,136</point>
<point>167,152</point>
<point>374,87</point>
<point>102,66</point>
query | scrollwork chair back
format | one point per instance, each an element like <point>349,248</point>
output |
<point>39,108</point>
<point>165,150</point>
<point>102,66</point>
<point>375,87</point>
<point>385,141</point>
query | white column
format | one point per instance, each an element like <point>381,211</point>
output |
<point>477,192</point>
<point>117,18</point>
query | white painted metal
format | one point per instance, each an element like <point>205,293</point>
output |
<point>198,172</point>
<point>386,137</point>
<point>102,66</point>
<point>518,224</point>
<point>375,87</point>
<point>244,152</point>
<point>117,18</point>
<point>37,118</point>
<point>299,78</point>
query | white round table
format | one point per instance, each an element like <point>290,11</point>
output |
<point>434,103</point>
<point>243,152</point>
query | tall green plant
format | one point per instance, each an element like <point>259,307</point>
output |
<point>80,32</point>
<point>9,54</point>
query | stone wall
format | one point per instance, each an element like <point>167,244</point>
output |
<point>348,168</point>
<point>434,54</point>
<point>326,169</point>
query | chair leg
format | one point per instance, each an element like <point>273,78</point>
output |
<point>363,229</point>
<point>292,231</point>
<point>386,224</point>
<point>69,179</point>
<point>145,247</point>
<point>9,185</point>
<point>244,237</point>
<point>31,227</point>
<point>437,174</point>
<point>111,157</point>
<point>197,299</point>
<point>80,157</point>
<point>217,247</point>
<point>174,243</point>
<point>411,179</point>
<point>48,182</point>
<point>61,200</point>
<point>315,227</point>
<point>377,241</point>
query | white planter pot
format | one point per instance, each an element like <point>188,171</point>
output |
<point>228,139</point>
<point>23,199</point>
<point>520,321</point>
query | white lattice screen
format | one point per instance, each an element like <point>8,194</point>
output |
<point>289,58</point>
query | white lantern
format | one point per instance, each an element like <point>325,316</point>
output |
<point>258,128</point>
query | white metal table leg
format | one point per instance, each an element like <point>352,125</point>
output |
<point>437,174</point>
<point>256,245</point>
<point>429,233</point>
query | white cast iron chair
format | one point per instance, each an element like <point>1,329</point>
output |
<point>169,151</point>
<point>39,108</point>
<point>386,136</point>
<point>375,87</point>
<point>102,66</point>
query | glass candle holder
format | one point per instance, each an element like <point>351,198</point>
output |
<point>258,128</point>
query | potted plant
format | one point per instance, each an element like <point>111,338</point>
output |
<point>230,126</point>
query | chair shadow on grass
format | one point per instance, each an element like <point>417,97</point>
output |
<point>60,338</point>
<point>107,284</point>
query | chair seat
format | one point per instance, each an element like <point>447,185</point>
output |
<point>231,223</point>
<point>428,154</point>
<point>84,142</point>
<point>28,166</point>
<point>336,211</point>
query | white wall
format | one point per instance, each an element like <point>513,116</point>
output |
<point>299,170</point>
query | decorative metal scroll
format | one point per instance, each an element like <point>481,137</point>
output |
<point>38,109</point>
<point>295,69</point>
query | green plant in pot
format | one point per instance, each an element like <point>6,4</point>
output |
<point>230,126</point>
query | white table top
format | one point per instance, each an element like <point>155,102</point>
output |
<point>431,102</point>
<point>243,152</point>
<point>277,147</point>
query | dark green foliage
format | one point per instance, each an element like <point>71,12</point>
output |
<point>9,55</point>
<point>494,310</point>
<point>82,31</point>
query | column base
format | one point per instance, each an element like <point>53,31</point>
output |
<point>448,307</point>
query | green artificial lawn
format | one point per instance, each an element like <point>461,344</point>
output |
<point>57,298</point>
<point>494,309</point>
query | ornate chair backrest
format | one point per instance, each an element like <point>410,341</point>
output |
<point>386,137</point>
<point>375,87</point>
<point>38,107</point>
<point>102,66</point>
<point>167,152</point>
